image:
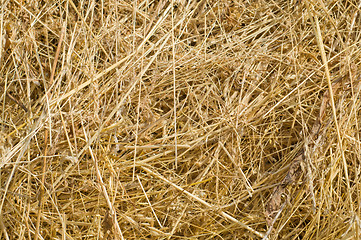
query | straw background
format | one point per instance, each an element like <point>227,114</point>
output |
<point>180,119</point>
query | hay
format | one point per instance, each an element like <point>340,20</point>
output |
<point>180,119</point>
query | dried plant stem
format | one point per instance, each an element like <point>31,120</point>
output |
<point>150,205</point>
<point>18,102</point>
<point>328,77</point>
<point>174,92</point>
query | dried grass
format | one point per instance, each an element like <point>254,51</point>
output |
<point>180,119</point>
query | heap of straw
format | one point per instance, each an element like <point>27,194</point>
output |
<point>180,119</point>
